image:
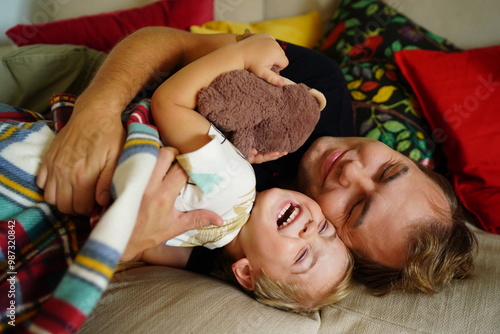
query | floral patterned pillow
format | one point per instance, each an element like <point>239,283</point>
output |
<point>368,29</point>
<point>362,37</point>
<point>384,109</point>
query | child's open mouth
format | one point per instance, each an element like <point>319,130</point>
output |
<point>287,215</point>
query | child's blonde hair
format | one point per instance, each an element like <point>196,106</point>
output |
<point>286,296</point>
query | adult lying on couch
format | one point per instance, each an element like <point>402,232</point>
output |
<point>363,186</point>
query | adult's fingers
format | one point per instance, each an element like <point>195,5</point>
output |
<point>41,179</point>
<point>71,195</point>
<point>166,157</point>
<point>49,193</point>
<point>200,218</point>
<point>103,185</point>
<point>174,179</point>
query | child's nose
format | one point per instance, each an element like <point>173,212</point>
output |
<point>308,229</point>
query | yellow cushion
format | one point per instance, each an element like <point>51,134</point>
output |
<point>304,30</point>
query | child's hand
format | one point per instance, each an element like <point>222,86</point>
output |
<point>257,158</point>
<point>260,53</point>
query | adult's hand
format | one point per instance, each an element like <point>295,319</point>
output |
<point>158,220</point>
<point>78,167</point>
<point>76,172</point>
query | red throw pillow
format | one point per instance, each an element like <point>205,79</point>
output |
<point>103,31</point>
<point>460,97</point>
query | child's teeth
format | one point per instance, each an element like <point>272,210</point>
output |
<point>291,218</point>
<point>284,210</point>
<point>293,215</point>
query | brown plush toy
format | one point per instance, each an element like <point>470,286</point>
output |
<point>253,113</point>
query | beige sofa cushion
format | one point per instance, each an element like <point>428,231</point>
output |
<point>158,299</point>
<point>239,10</point>
<point>468,24</point>
<point>251,11</point>
<point>165,300</point>
<point>274,9</point>
<point>467,306</point>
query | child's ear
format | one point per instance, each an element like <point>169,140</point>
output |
<point>244,274</point>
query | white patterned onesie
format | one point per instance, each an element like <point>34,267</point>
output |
<point>220,180</point>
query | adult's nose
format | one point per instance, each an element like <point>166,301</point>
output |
<point>354,174</point>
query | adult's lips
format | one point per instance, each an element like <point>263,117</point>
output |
<point>330,163</point>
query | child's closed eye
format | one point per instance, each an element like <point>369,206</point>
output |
<point>302,255</point>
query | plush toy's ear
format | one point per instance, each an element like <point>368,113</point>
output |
<point>289,82</point>
<point>314,92</point>
<point>319,97</point>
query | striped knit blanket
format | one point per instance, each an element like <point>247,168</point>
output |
<point>55,267</point>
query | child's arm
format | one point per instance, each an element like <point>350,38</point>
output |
<point>174,101</point>
<point>170,256</point>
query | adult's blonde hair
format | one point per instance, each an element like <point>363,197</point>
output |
<point>438,251</point>
<point>287,296</point>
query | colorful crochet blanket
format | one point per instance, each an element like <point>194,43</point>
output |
<point>55,267</point>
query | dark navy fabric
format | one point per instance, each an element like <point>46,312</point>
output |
<point>322,73</point>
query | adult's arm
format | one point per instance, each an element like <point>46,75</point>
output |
<point>77,169</point>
